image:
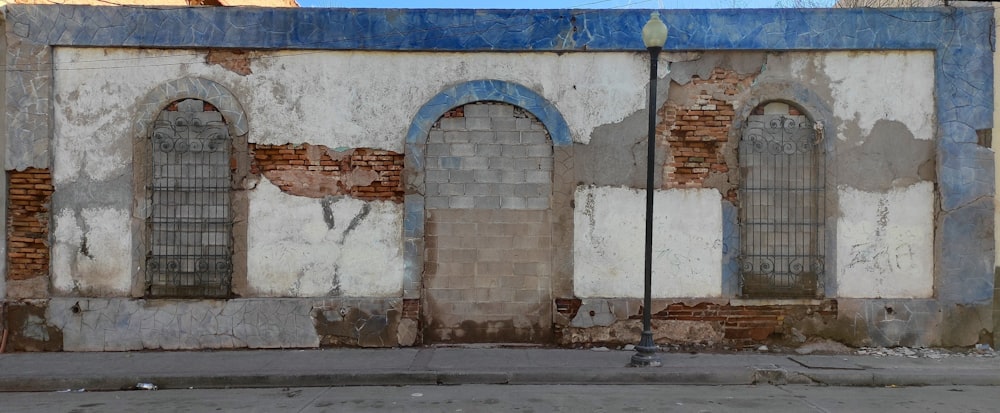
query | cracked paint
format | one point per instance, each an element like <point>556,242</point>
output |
<point>339,245</point>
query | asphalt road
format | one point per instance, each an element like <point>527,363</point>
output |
<point>522,399</point>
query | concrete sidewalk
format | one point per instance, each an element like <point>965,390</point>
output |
<point>471,365</point>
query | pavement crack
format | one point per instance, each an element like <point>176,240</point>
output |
<point>308,405</point>
<point>803,399</point>
<point>422,359</point>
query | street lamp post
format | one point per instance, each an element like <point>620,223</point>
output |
<point>654,35</point>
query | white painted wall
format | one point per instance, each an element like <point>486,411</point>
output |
<point>102,268</point>
<point>336,98</point>
<point>885,243</point>
<point>609,242</point>
<point>294,251</point>
<point>866,87</point>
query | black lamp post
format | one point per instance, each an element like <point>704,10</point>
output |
<point>654,35</point>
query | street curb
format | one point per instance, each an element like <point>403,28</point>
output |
<point>737,375</point>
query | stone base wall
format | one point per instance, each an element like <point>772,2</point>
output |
<point>122,324</point>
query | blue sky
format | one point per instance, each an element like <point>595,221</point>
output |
<point>542,4</point>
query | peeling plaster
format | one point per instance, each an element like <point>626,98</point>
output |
<point>346,110</point>
<point>861,84</point>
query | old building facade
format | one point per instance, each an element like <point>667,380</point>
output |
<point>276,178</point>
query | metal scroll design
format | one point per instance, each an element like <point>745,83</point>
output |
<point>780,135</point>
<point>190,221</point>
<point>782,200</point>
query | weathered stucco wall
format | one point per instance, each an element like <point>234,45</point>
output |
<point>92,253</point>
<point>336,98</point>
<point>885,243</point>
<point>333,246</point>
<point>609,243</point>
<point>911,128</point>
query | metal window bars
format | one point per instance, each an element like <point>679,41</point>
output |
<point>191,220</point>
<point>782,201</point>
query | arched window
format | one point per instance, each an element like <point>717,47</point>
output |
<point>191,221</point>
<point>782,199</point>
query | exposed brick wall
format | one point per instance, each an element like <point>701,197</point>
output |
<point>29,194</point>
<point>317,171</point>
<point>568,306</point>
<point>744,323</point>
<point>411,308</point>
<point>697,132</point>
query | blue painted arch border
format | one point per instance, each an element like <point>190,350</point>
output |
<point>489,90</point>
<point>416,139</point>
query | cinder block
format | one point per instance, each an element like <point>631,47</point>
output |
<point>450,189</point>
<point>515,151</point>
<point>501,111</point>
<point>462,177</point>
<point>524,124</point>
<point>526,296</point>
<point>488,176</point>
<point>436,175</point>
<point>487,202</point>
<point>529,190</point>
<point>477,110</point>
<point>488,150</point>
<point>534,137</point>
<point>455,269</point>
<point>456,136</point>
<point>513,202</point>
<point>438,149</point>
<point>502,163</point>
<point>489,254</point>
<point>503,189</point>
<point>512,177</point>
<point>527,164</point>
<point>498,242</point>
<point>448,162</point>
<point>538,203</point>
<point>475,162</point>
<point>452,124</point>
<point>494,268</point>
<point>482,136</point>
<point>463,149</point>
<point>461,202</point>
<point>526,268</point>
<point>478,123</point>
<point>457,255</point>
<point>477,189</point>
<point>431,189</point>
<point>539,151</point>
<point>538,177</point>
<point>501,295</point>
<point>508,138</point>
<point>504,124</point>
<point>435,136</point>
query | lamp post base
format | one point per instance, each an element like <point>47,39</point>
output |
<point>646,352</point>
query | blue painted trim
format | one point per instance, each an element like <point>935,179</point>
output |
<point>730,250</point>
<point>489,30</point>
<point>489,90</point>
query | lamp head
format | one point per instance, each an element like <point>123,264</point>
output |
<point>654,33</point>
